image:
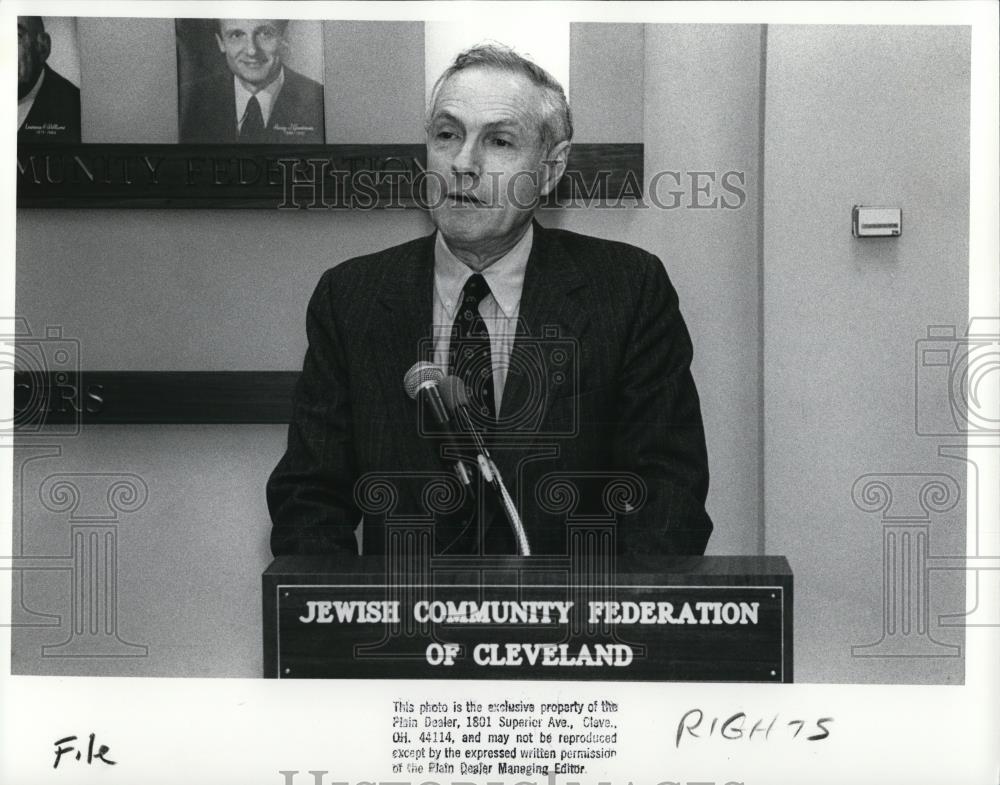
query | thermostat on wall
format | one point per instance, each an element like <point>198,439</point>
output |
<point>876,221</point>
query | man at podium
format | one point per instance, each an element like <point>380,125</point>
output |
<point>571,350</point>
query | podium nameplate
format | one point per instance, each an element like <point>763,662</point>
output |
<point>515,620</point>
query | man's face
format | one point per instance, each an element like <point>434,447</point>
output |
<point>253,49</point>
<point>484,155</point>
<point>32,51</point>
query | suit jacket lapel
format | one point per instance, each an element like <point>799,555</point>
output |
<point>552,311</point>
<point>280,109</point>
<point>225,110</point>
<point>406,305</point>
<point>554,314</point>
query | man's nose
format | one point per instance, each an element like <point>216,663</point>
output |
<point>252,45</point>
<point>467,160</point>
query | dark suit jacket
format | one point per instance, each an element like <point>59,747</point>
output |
<point>209,114</point>
<point>55,114</point>
<point>629,410</point>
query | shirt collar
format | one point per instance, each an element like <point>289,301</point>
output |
<point>505,276</point>
<point>265,97</point>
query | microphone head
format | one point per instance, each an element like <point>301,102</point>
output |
<point>453,393</point>
<point>419,374</point>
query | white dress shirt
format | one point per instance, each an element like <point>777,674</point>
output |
<point>265,98</point>
<point>499,309</point>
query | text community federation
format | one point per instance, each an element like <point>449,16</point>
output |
<point>529,612</point>
<point>500,612</point>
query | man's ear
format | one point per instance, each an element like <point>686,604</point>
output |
<point>218,40</point>
<point>44,41</point>
<point>553,167</point>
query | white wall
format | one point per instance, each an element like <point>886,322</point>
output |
<point>701,85</point>
<point>876,116</point>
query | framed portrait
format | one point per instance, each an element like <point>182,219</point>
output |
<point>251,81</point>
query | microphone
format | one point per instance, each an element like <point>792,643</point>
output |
<point>456,400</point>
<point>421,384</point>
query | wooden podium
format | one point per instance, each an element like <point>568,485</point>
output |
<point>707,618</point>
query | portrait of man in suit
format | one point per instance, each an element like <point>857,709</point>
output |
<point>48,104</point>
<point>586,373</point>
<point>256,98</point>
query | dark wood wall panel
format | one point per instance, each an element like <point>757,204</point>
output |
<point>340,176</point>
<point>152,397</point>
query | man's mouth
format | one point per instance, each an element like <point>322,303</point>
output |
<point>465,200</point>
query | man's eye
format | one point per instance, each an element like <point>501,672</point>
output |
<point>445,135</point>
<point>499,141</point>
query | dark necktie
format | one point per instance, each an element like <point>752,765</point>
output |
<point>470,357</point>
<point>252,129</point>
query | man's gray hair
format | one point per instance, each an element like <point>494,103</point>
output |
<point>556,120</point>
<point>282,25</point>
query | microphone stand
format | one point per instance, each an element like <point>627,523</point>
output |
<point>492,476</point>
